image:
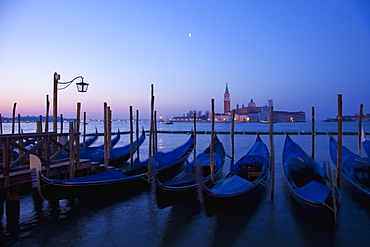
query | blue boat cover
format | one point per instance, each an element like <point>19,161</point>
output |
<point>300,168</point>
<point>313,191</point>
<point>204,158</point>
<point>89,152</point>
<point>257,155</point>
<point>350,161</point>
<point>182,179</point>
<point>115,153</point>
<point>291,149</point>
<point>232,184</point>
<point>164,159</point>
<point>188,176</point>
<point>105,176</point>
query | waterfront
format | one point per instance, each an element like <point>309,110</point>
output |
<point>135,220</point>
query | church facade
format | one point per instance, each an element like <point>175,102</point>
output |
<point>254,113</point>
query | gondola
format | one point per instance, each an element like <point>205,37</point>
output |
<point>246,179</point>
<point>86,152</point>
<point>91,149</point>
<point>355,171</point>
<point>309,183</point>
<point>110,181</point>
<point>118,155</point>
<point>90,140</point>
<point>365,143</point>
<point>183,187</point>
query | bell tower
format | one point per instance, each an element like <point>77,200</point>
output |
<point>226,100</point>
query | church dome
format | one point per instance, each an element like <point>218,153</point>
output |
<point>252,104</point>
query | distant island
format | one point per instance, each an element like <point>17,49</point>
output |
<point>354,118</point>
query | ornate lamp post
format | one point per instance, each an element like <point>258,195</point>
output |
<point>81,87</point>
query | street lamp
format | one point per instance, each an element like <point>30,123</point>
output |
<point>81,87</point>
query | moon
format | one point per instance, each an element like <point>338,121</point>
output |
<point>189,35</point>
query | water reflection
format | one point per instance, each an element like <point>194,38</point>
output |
<point>178,222</point>
<point>231,223</point>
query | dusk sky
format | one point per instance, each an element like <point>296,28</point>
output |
<point>300,54</point>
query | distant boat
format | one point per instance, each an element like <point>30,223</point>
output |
<point>168,122</point>
<point>266,121</point>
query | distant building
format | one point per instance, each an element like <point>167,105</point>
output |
<point>284,116</point>
<point>226,100</point>
<point>250,113</point>
<point>254,113</point>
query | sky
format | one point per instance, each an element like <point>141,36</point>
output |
<point>301,54</point>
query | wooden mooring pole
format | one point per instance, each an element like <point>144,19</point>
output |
<point>71,151</point>
<point>340,141</point>
<point>61,123</point>
<point>211,150</point>
<point>109,133</point>
<point>313,133</point>
<point>13,117</point>
<point>77,141</point>
<point>272,151</point>
<point>360,129</point>
<point>131,136</point>
<point>195,135</point>
<point>106,135</point>
<point>233,136</point>
<point>151,136</point>
<point>137,134</point>
<point>19,123</point>
<point>47,114</point>
<point>85,123</point>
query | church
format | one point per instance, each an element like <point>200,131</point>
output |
<point>254,113</point>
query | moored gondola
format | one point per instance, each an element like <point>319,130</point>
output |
<point>246,179</point>
<point>310,183</point>
<point>91,140</point>
<point>86,152</point>
<point>184,186</point>
<point>355,171</point>
<point>110,181</point>
<point>118,155</point>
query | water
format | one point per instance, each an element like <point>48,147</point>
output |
<point>135,220</point>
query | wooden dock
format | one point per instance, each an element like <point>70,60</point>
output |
<point>14,169</point>
<point>59,169</point>
<point>15,172</point>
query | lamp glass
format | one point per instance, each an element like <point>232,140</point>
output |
<point>82,87</point>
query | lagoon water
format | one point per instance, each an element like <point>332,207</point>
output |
<point>135,219</point>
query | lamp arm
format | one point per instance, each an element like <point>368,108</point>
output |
<point>68,83</point>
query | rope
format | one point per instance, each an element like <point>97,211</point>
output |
<point>264,183</point>
<point>326,205</point>
<point>228,156</point>
<point>221,180</point>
